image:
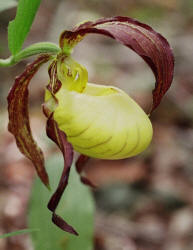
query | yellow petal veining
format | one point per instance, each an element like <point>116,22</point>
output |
<point>100,121</point>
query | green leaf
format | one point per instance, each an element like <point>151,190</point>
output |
<point>76,207</point>
<point>20,26</point>
<point>7,4</point>
<point>24,231</point>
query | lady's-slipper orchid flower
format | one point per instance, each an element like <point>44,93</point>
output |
<point>99,121</point>
<point>95,120</point>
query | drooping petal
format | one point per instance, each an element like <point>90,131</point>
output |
<point>80,165</point>
<point>139,37</point>
<point>19,124</point>
<point>59,137</point>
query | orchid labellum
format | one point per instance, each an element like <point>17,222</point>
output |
<point>95,120</point>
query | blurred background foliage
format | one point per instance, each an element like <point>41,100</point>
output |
<point>143,203</point>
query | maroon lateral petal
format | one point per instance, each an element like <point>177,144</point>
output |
<point>19,124</point>
<point>80,165</point>
<point>58,221</point>
<point>139,37</point>
<point>87,182</point>
<point>59,137</point>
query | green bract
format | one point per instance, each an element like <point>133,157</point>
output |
<point>99,121</point>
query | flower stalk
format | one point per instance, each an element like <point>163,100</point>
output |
<point>34,49</point>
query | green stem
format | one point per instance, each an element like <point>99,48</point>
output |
<point>34,49</point>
